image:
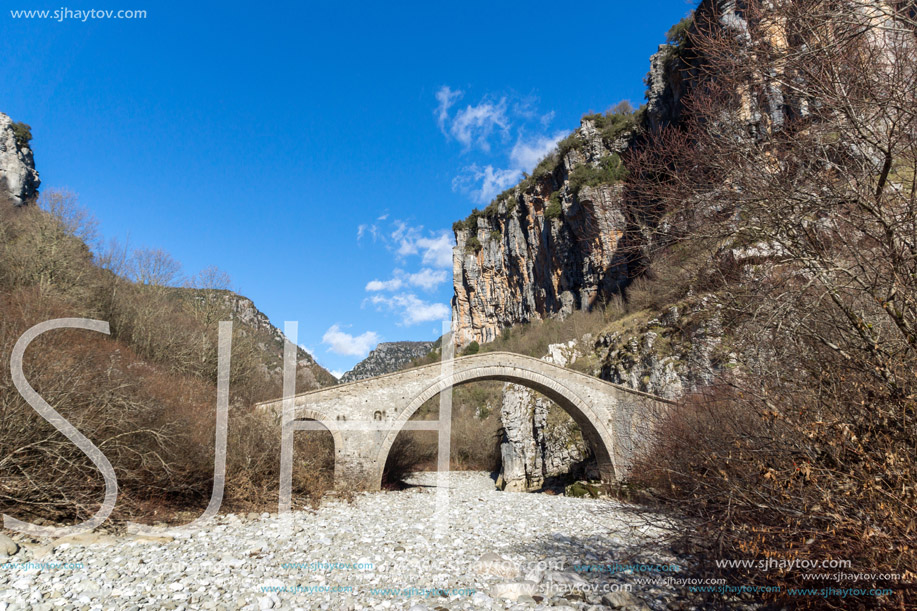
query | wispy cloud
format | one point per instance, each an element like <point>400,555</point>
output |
<point>474,125</point>
<point>426,279</point>
<point>411,308</point>
<point>434,248</point>
<point>527,153</point>
<point>384,285</point>
<point>446,98</point>
<point>344,343</point>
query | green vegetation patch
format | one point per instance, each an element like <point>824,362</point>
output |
<point>22,133</point>
<point>473,244</point>
<point>617,121</point>
<point>553,210</point>
<point>610,171</point>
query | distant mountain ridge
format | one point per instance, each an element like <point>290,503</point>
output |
<point>387,358</point>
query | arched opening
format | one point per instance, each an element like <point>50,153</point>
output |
<point>476,432</point>
<point>314,458</point>
<point>594,431</point>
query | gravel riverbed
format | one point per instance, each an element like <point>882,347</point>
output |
<point>384,550</point>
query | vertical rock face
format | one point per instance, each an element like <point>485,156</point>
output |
<point>540,440</point>
<point>18,177</point>
<point>547,249</point>
<point>388,357</point>
<point>557,242</point>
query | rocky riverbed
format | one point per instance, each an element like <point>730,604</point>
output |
<point>387,550</point>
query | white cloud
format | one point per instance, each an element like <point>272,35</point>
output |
<point>485,183</point>
<point>437,250</point>
<point>429,279</point>
<point>476,124</point>
<point>446,98</point>
<point>371,229</point>
<point>527,153</point>
<point>337,373</point>
<point>406,237</point>
<point>340,342</point>
<point>384,285</point>
<point>412,309</point>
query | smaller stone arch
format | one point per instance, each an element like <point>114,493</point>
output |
<point>305,415</point>
<point>597,433</point>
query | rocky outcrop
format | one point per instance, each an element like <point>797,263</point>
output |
<point>669,355</point>
<point>387,358</point>
<point>540,440</point>
<point>18,178</point>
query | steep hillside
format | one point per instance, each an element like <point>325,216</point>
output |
<point>268,340</point>
<point>145,393</point>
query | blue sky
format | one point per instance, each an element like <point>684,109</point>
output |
<point>318,152</point>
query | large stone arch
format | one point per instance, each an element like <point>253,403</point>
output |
<point>598,433</point>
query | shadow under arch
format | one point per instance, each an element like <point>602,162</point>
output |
<point>599,436</point>
<point>303,421</point>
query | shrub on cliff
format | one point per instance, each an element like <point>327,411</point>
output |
<point>609,171</point>
<point>22,133</point>
<point>472,348</point>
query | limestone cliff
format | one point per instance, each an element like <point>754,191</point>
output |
<point>387,358</point>
<point>18,178</point>
<point>569,236</point>
<point>551,245</point>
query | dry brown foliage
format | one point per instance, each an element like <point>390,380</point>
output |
<point>145,395</point>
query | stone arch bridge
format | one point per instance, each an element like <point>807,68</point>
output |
<point>365,416</point>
